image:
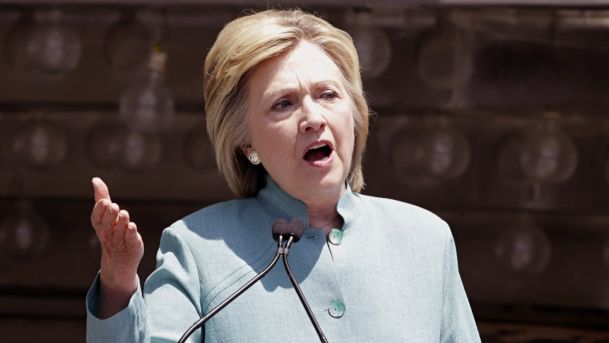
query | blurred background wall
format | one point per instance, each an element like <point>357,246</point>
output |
<point>490,113</point>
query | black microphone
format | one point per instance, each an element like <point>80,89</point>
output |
<point>285,234</point>
<point>294,228</point>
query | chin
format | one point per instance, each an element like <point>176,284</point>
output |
<point>330,182</point>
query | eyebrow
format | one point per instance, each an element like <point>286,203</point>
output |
<point>290,89</point>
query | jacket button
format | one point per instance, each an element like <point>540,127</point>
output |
<point>337,308</point>
<point>336,236</point>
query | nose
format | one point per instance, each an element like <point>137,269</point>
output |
<point>313,118</point>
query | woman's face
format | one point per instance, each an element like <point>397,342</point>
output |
<point>300,122</point>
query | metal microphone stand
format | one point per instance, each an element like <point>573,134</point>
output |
<point>322,337</point>
<point>200,322</point>
<point>282,250</point>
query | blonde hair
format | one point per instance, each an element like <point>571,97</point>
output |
<point>242,45</point>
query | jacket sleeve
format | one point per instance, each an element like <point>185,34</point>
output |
<point>128,325</point>
<point>458,324</point>
<point>170,304</point>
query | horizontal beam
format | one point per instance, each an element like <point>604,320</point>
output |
<point>310,3</point>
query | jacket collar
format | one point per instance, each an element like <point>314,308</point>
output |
<point>279,203</point>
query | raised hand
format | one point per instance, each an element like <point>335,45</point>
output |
<point>122,250</point>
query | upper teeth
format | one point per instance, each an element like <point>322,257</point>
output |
<point>317,146</point>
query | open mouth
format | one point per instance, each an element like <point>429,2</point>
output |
<point>318,153</point>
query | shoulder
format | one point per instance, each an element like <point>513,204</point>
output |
<point>409,218</point>
<point>399,210</point>
<point>224,241</point>
<point>221,216</point>
<point>220,229</point>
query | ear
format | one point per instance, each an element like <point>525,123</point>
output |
<point>246,148</point>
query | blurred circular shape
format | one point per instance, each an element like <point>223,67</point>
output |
<point>127,44</point>
<point>24,234</point>
<point>438,152</point>
<point>448,153</point>
<point>141,151</point>
<point>443,56</point>
<point>105,144</point>
<point>53,47</point>
<point>41,144</point>
<point>372,44</point>
<point>545,155</point>
<point>147,105</point>
<point>16,43</point>
<point>523,249</point>
<point>198,151</point>
<point>549,157</point>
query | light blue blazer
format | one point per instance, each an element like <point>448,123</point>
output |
<point>390,275</point>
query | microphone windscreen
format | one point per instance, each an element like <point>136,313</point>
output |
<point>296,228</point>
<point>280,227</point>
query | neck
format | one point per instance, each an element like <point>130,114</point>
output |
<point>324,219</point>
<point>324,215</point>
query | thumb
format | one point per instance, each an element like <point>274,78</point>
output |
<point>100,189</point>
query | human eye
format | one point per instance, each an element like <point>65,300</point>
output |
<point>281,105</point>
<point>329,95</point>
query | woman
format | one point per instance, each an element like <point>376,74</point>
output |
<point>288,121</point>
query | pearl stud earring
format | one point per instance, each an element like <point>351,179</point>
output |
<point>254,158</point>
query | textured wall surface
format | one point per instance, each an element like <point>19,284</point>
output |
<point>466,88</point>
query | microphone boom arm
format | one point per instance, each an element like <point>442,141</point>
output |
<point>280,228</point>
